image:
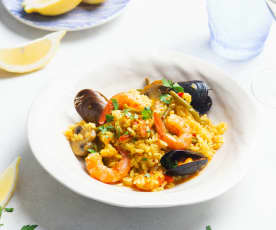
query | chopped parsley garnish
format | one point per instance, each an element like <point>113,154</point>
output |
<point>208,227</point>
<point>177,88</point>
<point>144,159</point>
<point>127,113</point>
<point>126,133</point>
<point>118,129</point>
<point>109,117</point>
<point>146,113</point>
<point>91,150</point>
<point>170,84</point>
<point>1,209</point>
<point>104,129</point>
<point>148,131</point>
<point>165,98</point>
<point>115,104</point>
<point>1,225</point>
<point>167,83</point>
<point>29,227</point>
<point>8,209</point>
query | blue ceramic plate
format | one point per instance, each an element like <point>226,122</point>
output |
<point>82,17</point>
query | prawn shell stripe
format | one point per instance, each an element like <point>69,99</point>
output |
<point>99,171</point>
<point>184,138</point>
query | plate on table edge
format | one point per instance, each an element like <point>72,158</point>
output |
<point>113,195</point>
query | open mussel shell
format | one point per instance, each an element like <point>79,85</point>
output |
<point>201,101</point>
<point>170,162</point>
<point>90,104</point>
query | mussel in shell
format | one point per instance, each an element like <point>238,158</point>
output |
<point>90,104</point>
<point>201,101</point>
<point>176,164</point>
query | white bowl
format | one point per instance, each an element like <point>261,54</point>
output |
<point>53,111</point>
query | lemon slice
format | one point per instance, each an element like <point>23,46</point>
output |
<point>31,56</point>
<point>93,1</point>
<point>8,180</point>
<point>49,7</point>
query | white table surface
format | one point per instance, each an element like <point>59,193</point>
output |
<point>176,25</point>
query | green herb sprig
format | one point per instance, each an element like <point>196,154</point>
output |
<point>8,209</point>
<point>109,117</point>
<point>173,85</point>
<point>91,150</point>
<point>105,128</point>
<point>115,104</point>
<point>146,113</point>
<point>165,98</point>
<point>29,227</point>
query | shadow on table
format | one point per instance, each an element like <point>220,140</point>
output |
<point>53,206</point>
<point>31,33</point>
<point>4,74</point>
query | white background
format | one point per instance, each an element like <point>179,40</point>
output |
<point>176,25</point>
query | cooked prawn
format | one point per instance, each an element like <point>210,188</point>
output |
<point>175,125</point>
<point>150,183</point>
<point>132,99</point>
<point>97,169</point>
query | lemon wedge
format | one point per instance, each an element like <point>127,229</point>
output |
<point>93,1</point>
<point>31,56</point>
<point>49,7</point>
<point>8,180</point>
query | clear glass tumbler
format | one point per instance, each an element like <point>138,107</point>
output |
<point>238,28</point>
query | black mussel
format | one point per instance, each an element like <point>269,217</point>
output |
<point>90,104</point>
<point>201,101</point>
<point>170,161</point>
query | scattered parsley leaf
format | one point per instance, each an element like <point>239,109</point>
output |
<point>165,98</point>
<point>29,227</point>
<point>146,113</point>
<point>177,88</point>
<point>118,129</point>
<point>127,113</point>
<point>1,225</point>
<point>8,209</point>
<point>135,116</point>
<point>109,117</point>
<point>208,227</point>
<point>104,129</point>
<point>91,150</point>
<point>115,104</point>
<point>1,209</point>
<point>144,159</point>
<point>147,175</point>
<point>126,133</point>
<point>170,84</point>
<point>148,131</point>
<point>109,127</point>
<point>167,83</point>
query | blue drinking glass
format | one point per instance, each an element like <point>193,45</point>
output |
<point>238,28</point>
